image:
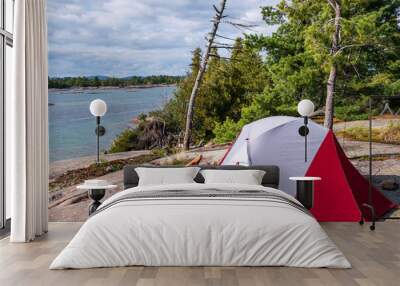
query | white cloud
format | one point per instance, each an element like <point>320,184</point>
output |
<point>126,37</point>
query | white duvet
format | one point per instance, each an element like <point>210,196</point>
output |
<point>200,231</point>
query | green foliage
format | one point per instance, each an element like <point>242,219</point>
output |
<point>356,110</point>
<point>227,131</point>
<point>126,141</point>
<point>272,16</point>
<point>175,110</point>
<point>159,152</point>
<point>298,58</point>
<point>369,45</point>
<point>151,133</point>
<point>268,75</point>
<point>350,113</point>
<point>228,86</point>
<point>69,82</point>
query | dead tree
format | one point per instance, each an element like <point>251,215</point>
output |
<point>203,66</point>
<point>329,106</point>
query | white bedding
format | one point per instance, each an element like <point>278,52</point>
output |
<point>200,231</point>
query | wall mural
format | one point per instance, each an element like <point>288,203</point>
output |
<point>197,86</point>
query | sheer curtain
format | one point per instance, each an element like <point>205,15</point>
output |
<point>27,123</point>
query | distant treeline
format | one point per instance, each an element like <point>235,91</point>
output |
<point>69,82</point>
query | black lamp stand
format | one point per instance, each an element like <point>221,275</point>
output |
<point>305,137</point>
<point>303,131</point>
<point>96,195</point>
<point>100,131</point>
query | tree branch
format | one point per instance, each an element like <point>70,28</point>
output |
<point>342,48</point>
<point>226,38</point>
<point>222,47</point>
<point>216,9</point>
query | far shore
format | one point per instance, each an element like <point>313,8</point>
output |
<point>130,87</point>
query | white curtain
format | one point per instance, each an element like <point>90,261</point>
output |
<point>27,123</point>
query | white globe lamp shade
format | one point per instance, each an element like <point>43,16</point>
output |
<point>98,107</point>
<point>305,108</point>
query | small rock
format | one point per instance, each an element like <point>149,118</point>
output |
<point>389,185</point>
<point>182,156</point>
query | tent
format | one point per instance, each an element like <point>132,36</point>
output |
<point>276,141</point>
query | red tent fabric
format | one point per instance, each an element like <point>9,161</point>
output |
<point>342,191</point>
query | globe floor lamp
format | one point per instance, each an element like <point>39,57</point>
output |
<point>98,108</point>
<point>305,108</point>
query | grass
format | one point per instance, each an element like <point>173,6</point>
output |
<point>389,134</point>
<point>380,157</point>
<point>177,162</point>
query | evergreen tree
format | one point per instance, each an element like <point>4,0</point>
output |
<point>269,74</point>
<point>299,57</point>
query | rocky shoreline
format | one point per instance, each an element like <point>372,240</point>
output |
<point>69,204</point>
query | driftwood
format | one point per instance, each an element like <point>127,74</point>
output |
<point>195,161</point>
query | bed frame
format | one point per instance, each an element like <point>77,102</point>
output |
<point>270,179</point>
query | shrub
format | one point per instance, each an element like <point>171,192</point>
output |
<point>160,152</point>
<point>126,141</point>
<point>227,131</point>
<point>350,113</point>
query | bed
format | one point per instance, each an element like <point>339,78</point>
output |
<point>201,224</point>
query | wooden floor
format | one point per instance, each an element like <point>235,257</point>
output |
<point>375,257</point>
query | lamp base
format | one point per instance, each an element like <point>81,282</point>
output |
<point>100,130</point>
<point>305,193</point>
<point>96,195</point>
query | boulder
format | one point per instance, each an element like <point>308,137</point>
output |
<point>389,185</point>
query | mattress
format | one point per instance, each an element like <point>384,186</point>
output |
<point>201,225</point>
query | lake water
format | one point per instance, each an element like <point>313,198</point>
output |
<point>71,125</point>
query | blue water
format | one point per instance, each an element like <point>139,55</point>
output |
<point>71,125</point>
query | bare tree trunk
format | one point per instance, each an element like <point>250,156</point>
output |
<point>200,75</point>
<point>329,106</point>
<point>329,110</point>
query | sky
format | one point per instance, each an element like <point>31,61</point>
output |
<point>137,37</point>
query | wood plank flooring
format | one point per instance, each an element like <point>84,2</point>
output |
<point>375,257</point>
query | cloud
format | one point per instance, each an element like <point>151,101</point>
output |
<point>131,37</point>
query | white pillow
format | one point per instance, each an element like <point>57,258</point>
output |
<point>166,176</point>
<point>247,177</point>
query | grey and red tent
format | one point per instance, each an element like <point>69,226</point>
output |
<point>276,141</point>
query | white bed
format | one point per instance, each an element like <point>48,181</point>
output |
<point>201,231</point>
